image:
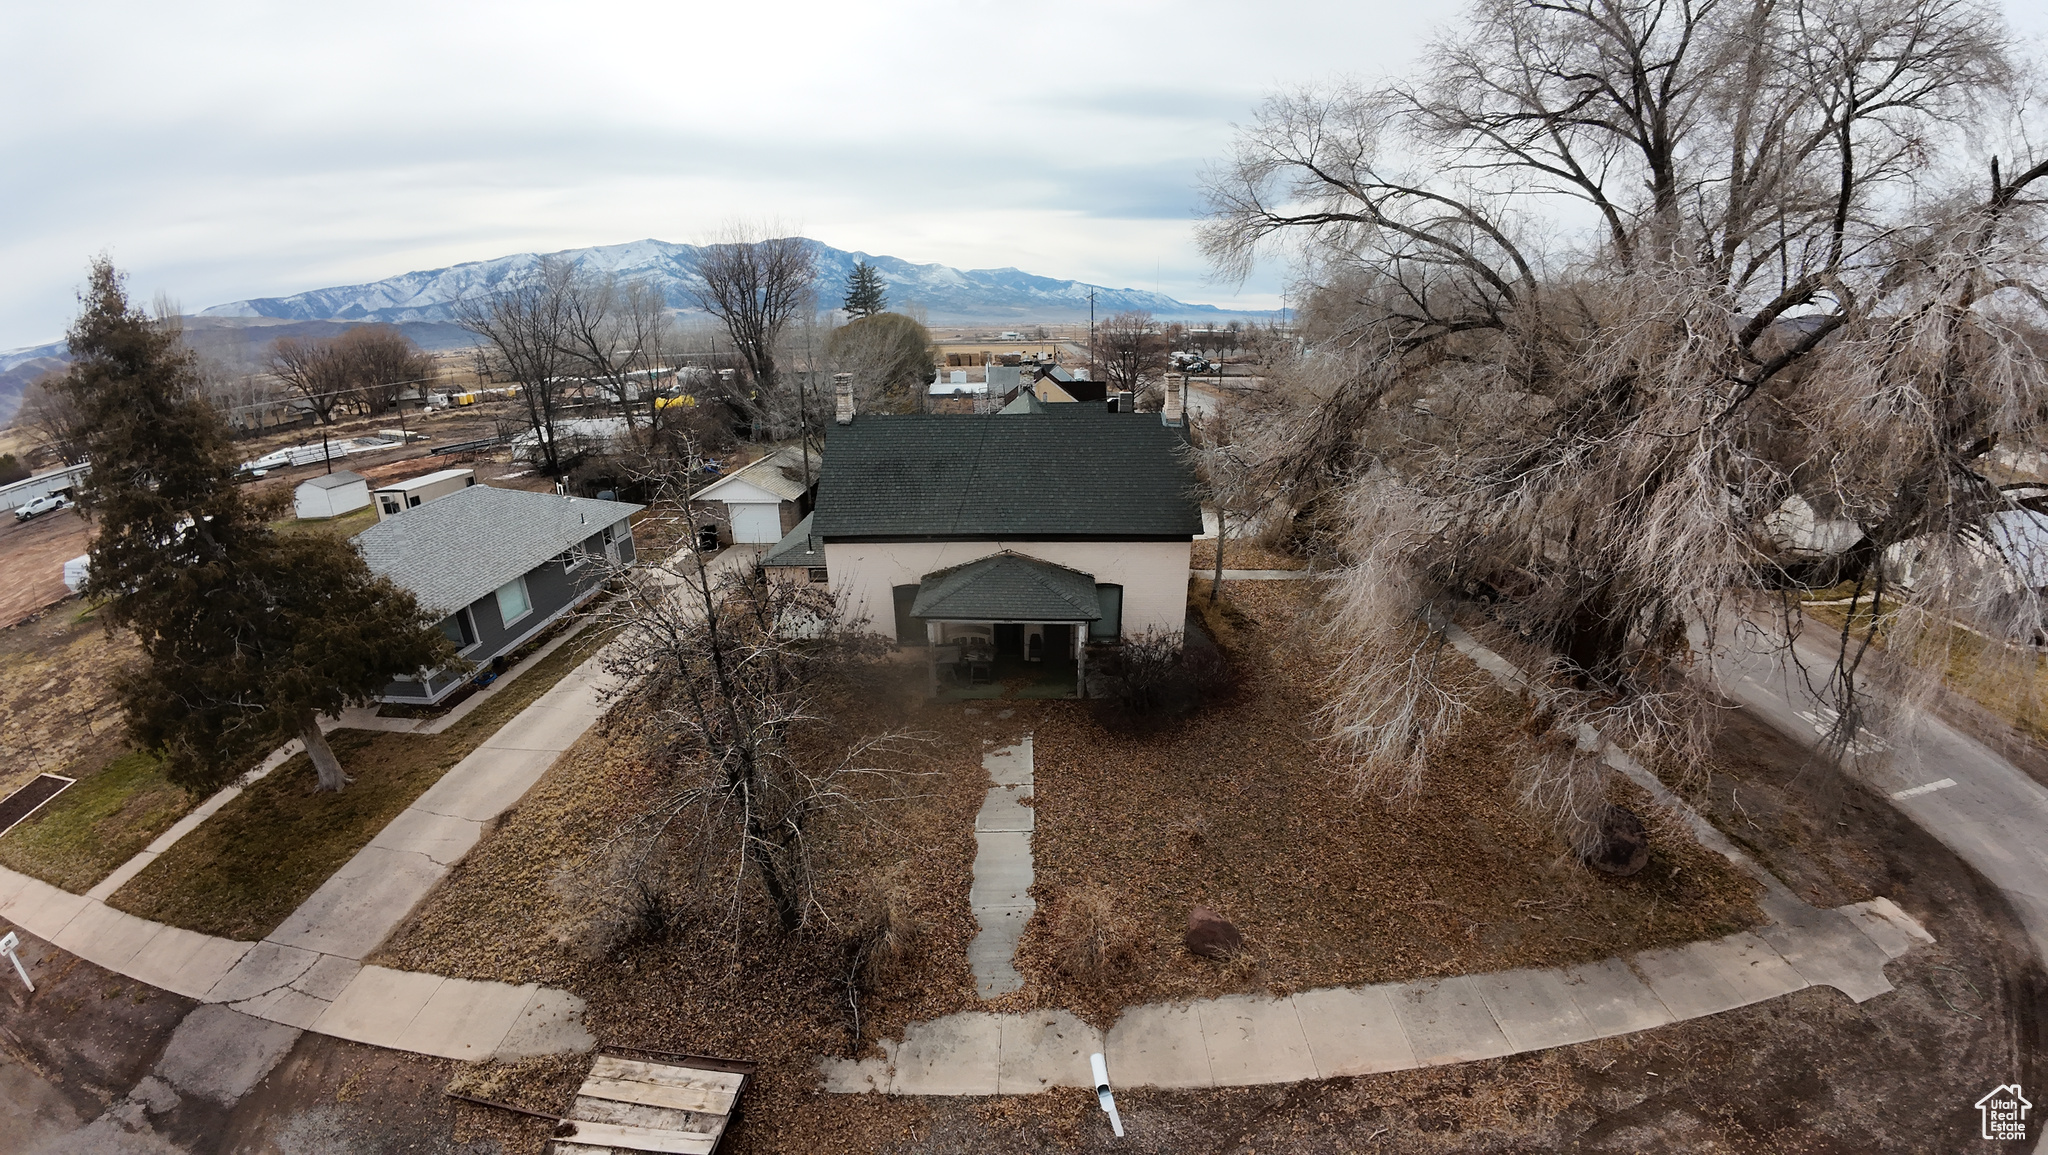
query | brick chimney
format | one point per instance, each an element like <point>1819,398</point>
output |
<point>1170,409</point>
<point>842,397</point>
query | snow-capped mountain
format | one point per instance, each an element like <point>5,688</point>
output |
<point>945,294</point>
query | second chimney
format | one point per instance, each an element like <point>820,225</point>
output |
<point>842,397</point>
<point>1170,409</point>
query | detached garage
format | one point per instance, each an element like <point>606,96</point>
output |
<point>330,495</point>
<point>760,503</point>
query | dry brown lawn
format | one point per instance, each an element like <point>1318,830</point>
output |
<point>1241,810</point>
<point>1244,553</point>
<point>1238,809</point>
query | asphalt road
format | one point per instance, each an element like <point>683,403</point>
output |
<point>1966,795</point>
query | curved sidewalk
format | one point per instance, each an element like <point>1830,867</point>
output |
<point>308,973</point>
<point>1243,1040</point>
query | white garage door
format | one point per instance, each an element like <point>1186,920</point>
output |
<point>756,524</point>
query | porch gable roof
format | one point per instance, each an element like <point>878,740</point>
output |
<point>1008,587</point>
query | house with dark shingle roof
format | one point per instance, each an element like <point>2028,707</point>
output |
<point>500,565</point>
<point>1034,531</point>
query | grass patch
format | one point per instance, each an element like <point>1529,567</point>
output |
<point>2008,681</point>
<point>248,867</point>
<point>99,822</point>
<point>346,526</point>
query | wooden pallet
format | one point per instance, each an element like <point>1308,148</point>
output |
<point>635,1101</point>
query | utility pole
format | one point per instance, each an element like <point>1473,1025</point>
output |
<point>1091,330</point>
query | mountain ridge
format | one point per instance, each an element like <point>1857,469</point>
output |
<point>945,294</point>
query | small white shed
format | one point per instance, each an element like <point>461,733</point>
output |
<point>762,500</point>
<point>400,496</point>
<point>330,495</point>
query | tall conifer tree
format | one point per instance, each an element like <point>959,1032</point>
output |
<point>247,636</point>
<point>866,292</point>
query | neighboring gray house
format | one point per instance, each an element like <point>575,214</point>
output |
<point>501,564</point>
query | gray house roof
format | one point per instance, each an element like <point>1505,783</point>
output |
<point>333,480</point>
<point>453,551</point>
<point>1007,587</point>
<point>1072,472</point>
<point>797,547</point>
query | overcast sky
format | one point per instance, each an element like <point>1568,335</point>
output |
<point>219,151</point>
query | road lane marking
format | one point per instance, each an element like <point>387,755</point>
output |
<point>1930,788</point>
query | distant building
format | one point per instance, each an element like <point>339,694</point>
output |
<point>16,494</point>
<point>400,496</point>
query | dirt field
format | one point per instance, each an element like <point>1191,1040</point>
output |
<point>32,557</point>
<point>56,704</point>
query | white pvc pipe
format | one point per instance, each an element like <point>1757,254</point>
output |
<point>1102,1095</point>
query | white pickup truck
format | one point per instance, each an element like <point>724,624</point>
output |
<point>43,504</point>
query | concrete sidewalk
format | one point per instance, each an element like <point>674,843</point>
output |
<point>308,973</point>
<point>1244,1040</point>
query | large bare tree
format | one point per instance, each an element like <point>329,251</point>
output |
<point>377,362</point>
<point>618,335</point>
<point>1614,315</point>
<point>754,285</point>
<point>52,418</point>
<point>526,333</point>
<point>1132,350</point>
<point>730,674</point>
<point>309,367</point>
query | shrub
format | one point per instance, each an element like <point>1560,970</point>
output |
<point>1091,936</point>
<point>1153,679</point>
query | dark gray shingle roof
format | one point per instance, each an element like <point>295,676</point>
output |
<point>796,548</point>
<point>1008,587</point>
<point>453,551</point>
<point>1071,472</point>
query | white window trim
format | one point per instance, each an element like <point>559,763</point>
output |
<point>574,558</point>
<point>524,593</point>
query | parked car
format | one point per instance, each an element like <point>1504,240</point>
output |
<point>43,504</point>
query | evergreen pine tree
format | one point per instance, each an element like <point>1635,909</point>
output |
<point>866,292</point>
<point>247,636</point>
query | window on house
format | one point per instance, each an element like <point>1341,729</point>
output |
<point>572,559</point>
<point>513,603</point>
<point>459,629</point>
<point>818,574</point>
<point>1110,626</point>
<point>390,503</point>
<point>909,630</point>
<point>411,501</point>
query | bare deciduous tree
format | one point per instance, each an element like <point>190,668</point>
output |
<point>526,329</point>
<point>376,363</point>
<point>310,368</point>
<point>728,670</point>
<point>1132,350</point>
<point>754,285</point>
<point>1605,431</point>
<point>51,417</point>
<point>618,335</point>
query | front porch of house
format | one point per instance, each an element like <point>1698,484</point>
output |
<point>1007,626</point>
<point>1007,660</point>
